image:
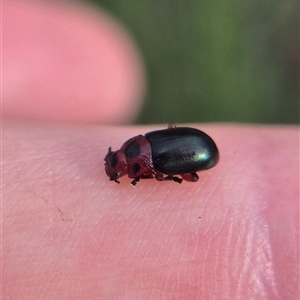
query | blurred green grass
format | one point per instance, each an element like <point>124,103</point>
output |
<point>216,61</point>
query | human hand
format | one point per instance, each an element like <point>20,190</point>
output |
<point>70,233</point>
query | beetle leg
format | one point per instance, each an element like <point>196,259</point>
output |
<point>144,176</point>
<point>173,178</point>
<point>176,179</point>
<point>160,177</point>
<point>171,125</point>
<point>193,177</point>
<point>147,176</point>
<point>135,181</point>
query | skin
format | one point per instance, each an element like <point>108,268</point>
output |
<point>70,233</point>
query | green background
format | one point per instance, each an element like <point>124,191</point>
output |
<point>214,61</point>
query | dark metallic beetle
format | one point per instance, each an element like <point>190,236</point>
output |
<point>162,154</point>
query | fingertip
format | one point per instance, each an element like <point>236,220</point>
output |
<point>69,62</point>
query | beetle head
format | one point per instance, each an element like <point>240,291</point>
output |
<point>115,165</point>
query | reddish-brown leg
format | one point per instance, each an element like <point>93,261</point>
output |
<point>144,176</point>
<point>192,177</point>
<point>135,181</point>
<point>175,179</point>
<point>171,125</point>
<point>160,177</point>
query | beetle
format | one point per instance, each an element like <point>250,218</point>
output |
<point>163,155</point>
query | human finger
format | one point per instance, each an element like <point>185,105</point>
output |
<point>233,234</point>
<point>68,62</point>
